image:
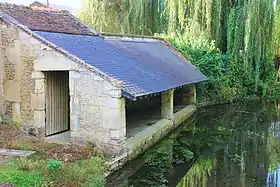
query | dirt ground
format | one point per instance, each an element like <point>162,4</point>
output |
<point>13,138</point>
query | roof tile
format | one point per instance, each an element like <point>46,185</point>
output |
<point>144,66</point>
<point>46,19</point>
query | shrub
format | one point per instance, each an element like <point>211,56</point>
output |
<point>212,63</point>
<point>54,164</point>
<point>54,168</point>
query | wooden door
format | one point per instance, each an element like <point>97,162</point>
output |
<point>57,102</point>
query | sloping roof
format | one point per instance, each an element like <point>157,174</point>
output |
<point>144,66</point>
<point>49,20</point>
<point>54,6</point>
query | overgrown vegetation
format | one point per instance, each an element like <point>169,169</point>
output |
<point>51,165</point>
<point>29,172</point>
<point>233,42</point>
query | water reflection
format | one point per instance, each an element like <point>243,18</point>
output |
<point>235,145</point>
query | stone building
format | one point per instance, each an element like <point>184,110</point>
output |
<point>60,76</point>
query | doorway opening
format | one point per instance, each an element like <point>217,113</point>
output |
<point>57,102</point>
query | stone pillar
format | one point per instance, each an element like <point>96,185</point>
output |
<point>16,112</point>
<point>189,95</point>
<point>38,103</point>
<point>167,99</point>
<point>193,95</point>
<point>74,101</point>
<point>12,96</point>
<point>116,126</point>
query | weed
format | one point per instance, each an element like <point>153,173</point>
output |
<point>54,164</point>
<point>23,146</point>
<point>25,164</point>
<point>86,172</point>
<point>8,120</point>
<point>54,167</point>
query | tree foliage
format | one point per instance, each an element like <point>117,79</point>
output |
<point>241,31</point>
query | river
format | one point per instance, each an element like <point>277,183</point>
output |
<point>226,145</point>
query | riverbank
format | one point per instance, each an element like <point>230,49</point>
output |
<point>236,136</point>
<point>68,165</point>
<point>151,135</point>
<point>52,165</point>
<point>56,164</point>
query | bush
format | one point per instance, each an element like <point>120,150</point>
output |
<point>212,63</point>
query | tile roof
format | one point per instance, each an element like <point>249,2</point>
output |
<point>46,19</point>
<point>144,66</point>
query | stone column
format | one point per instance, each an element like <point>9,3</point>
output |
<point>74,102</point>
<point>167,99</point>
<point>38,103</point>
<point>189,95</point>
<point>193,95</point>
<point>16,112</point>
<point>12,97</point>
<point>116,123</point>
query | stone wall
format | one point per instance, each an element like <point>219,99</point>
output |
<point>12,70</point>
<point>1,76</point>
<point>97,109</point>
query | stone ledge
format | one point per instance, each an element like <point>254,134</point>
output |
<point>184,114</point>
<point>150,136</point>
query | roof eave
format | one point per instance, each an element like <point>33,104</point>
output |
<point>135,97</point>
<point>128,95</point>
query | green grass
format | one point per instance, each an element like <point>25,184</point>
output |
<point>26,172</point>
<point>20,178</point>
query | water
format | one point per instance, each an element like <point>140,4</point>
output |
<point>229,145</point>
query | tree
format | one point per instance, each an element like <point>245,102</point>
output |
<point>241,29</point>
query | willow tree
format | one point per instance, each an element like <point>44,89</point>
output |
<point>249,43</point>
<point>241,29</point>
<point>125,16</point>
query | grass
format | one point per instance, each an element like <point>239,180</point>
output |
<point>19,178</point>
<point>53,165</point>
<point>26,172</point>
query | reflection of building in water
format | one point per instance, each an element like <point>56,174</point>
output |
<point>273,178</point>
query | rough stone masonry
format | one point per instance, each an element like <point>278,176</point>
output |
<point>97,109</point>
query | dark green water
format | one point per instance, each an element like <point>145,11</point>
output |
<point>230,145</point>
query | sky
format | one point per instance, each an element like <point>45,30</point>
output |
<point>75,4</point>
